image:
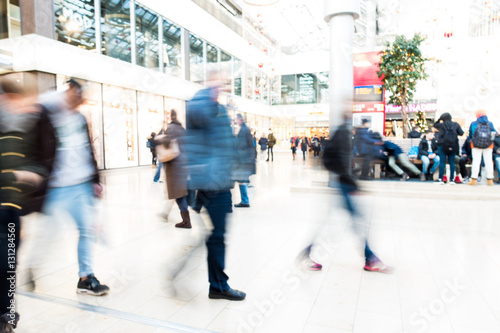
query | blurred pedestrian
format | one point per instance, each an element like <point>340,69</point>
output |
<point>159,164</point>
<point>271,143</point>
<point>496,152</point>
<point>210,172</point>
<point>294,142</point>
<point>448,145</point>
<point>26,155</point>
<point>304,145</point>
<point>365,143</point>
<point>74,183</point>
<point>316,145</point>
<point>245,160</point>
<point>263,141</point>
<point>482,134</point>
<point>176,170</point>
<point>336,158</point>
<point>151,144</point>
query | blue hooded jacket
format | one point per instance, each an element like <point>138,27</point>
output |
<point>210,143</point>
<point>483,120</point>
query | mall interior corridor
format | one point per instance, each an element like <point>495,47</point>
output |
<point>443,244</point>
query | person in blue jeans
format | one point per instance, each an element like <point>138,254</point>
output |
<point>211,153</point>
<point>245,160</point>
<point>448,148</point>
<point>156,178</point>
<point>427,151</point>
<point>74,183</point>
<point>496,152</point>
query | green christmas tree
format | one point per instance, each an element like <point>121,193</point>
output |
<point>421,122</point>
<point>402,65</point>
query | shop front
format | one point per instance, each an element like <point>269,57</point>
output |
<point>393,118</point>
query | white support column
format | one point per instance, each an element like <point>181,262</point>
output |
<point>341,15</point>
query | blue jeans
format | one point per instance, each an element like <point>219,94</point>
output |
<point>347,192</point>
<point>182,203</point>
<point>158,172</point>
<point>218,204</point>
<point>244,194</point>
<point>78,202</point>
<point>442,163</point>
<point>497,162</point>
<point>426,162</point>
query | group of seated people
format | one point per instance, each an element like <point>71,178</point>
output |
<point>371,146</point>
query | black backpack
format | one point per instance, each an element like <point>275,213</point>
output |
<point>335,150</point>
<point>482,136</point>
<point>449,139</point>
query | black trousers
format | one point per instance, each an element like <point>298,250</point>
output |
<point>365,169</point>
<point>10,227</point>
<point>270,150</point>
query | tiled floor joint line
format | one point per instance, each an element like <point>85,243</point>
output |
<point>115,313</point>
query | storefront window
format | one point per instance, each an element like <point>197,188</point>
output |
<point>212,58</point>
<point>172,54</point>
<point>115,25</point>
<point>120,127</point>
<point>275,89</point>
<point>75,22</point>
<point>323,86</point>
<point>238,73</point>
<point>147,40</point>
<point>196,58</point>
<point>249,82</point>
<point>308,88</point>
<point>150,119</point>
<point>226,67</point>
<point>289,89</point>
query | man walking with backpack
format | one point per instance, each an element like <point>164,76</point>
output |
<point>482,134</point>
<point>448,147</point>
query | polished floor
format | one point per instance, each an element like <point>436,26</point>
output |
<point>442,240</point>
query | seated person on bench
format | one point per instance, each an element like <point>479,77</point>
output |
<point>427,151</point>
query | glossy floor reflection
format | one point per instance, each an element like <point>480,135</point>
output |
<point>443,244</point>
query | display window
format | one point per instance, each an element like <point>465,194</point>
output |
<point>197,59</point>
<point>75,22</point>
<point>115,26</point>
<point>172,52</point>
<point>150,119</point>
<point>147,38</point>
<point>120,127</point>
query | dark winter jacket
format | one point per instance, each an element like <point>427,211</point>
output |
<point>423,147</point>
<point>466,148</point>
<point>496,148</point>
<point>210,143</point>
<point>392,149</point>
<point>364,141</point>
<point>304,144</point>
<point>271,140</point>
<point>263,143</point>
<point>414,135</point>
<point>451,126</point>
<point>27,143</point>
<point>316,143</point>
<point>245,157</point>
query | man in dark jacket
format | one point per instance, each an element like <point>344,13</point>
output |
<point>364,144</point>
<point>427,152</point>
<point>337,159</point>
<point>447,139</point>
<point>395,153</point>
<point>245,162</point>
<point>211,148</point>
<point>415,133</point>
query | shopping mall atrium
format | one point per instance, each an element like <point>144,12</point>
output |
<point>227,106</point>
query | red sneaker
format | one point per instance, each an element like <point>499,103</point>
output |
<point>457,180</point>
<point>445,179</point>
<point>378,266</point>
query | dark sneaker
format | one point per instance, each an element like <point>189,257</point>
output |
<point>439,181</point>
<point>404,177</point>
<point>230,294</point>
<point>423,177</point>
<point>240,205</point>
<point>91,286</point>
<point>8,322</point>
